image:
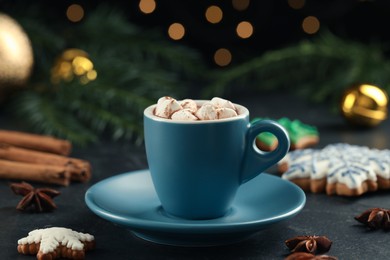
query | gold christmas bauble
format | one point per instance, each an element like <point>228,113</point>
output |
<point>16,55</point>
<point>364,105</point>
<point>73,64</point>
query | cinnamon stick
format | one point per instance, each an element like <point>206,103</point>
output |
<point>80,170</point>
<point>36,142</point>
<point>52,174</point>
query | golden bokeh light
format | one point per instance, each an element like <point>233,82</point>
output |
<point>91,75</point>
<point>214,14</point>
<point>73,63</point>
<point>311,25</point>
<point>81,65</point>
<point>244,29</point>
<point>147,6</point>
<point>222,57</point>
<point>296,4</point>
<point>176,31</point>
<point>240,5</point>
<point>75,13</point>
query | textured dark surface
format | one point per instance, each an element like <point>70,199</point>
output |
<point>332,216</point>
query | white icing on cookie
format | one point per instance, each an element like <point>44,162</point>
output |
<point>339,163</point>
<point>306,163</point>
<point>347,170</point>
<point>51,238</point>
<point>381,163</point>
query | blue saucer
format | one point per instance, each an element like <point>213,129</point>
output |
<point>129,199</point>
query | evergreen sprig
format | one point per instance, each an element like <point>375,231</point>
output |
<point>319,69</point>
<point>135,67</point>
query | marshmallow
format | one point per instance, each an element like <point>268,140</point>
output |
<point>225,113</point>
<point>206,112</point>
<point>222,103</point>
<point>189,104</point>
<point>187,109</point>
<point>166,106</point>
<point>184,115</point>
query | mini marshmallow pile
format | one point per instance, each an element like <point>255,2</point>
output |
<point>187,110</point>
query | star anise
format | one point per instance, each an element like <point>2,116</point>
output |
<point>309,244</point>
<point>308,256</point>
<point>375,218</point>
<point>40,199</point>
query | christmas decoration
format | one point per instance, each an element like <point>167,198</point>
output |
<point>73,63</point>
<point>364,105</point>
<point>97,77</point>
<point>16,57</point>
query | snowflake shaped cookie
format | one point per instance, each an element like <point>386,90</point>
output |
<point>56,242</point>
<point>341,169</point>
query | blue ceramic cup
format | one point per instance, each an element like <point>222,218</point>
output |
<point>197,166</point>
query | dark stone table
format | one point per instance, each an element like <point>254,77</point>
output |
<point>332,216</point>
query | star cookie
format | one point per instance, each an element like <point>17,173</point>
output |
<point>340,169</point>
<point>56,242</point>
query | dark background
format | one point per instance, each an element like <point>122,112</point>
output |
<point>275,23</point>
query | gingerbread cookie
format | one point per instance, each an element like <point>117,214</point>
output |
<point>56,242</point>
<point>301,135</point>
<point>340,169</point>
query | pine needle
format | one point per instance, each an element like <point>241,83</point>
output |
<point>319,70</point>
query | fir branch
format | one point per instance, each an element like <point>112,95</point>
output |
<point>135,67</point>
<point>116,33</point>
<point>319,70</point>
<point>40,112</point>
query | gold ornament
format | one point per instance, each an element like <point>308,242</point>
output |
<point>73,64</point>
<point>364,105</point>
<point>16,55</point>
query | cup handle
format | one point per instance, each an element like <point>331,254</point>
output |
<point>256,161</point>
